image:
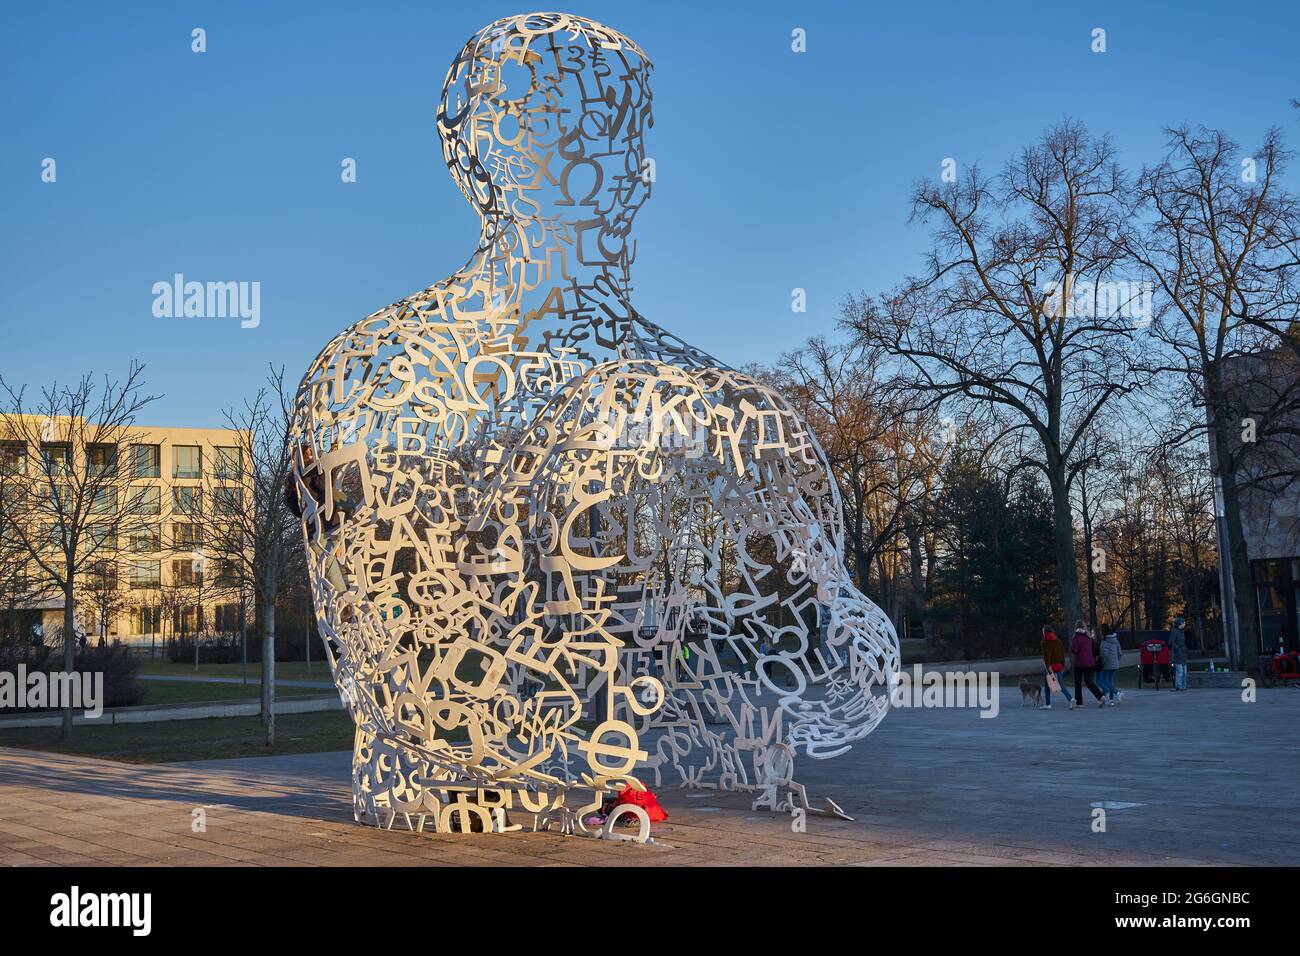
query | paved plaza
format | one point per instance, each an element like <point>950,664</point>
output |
<point>1192,778</point>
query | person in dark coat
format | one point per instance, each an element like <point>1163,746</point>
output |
<point>1084,662</point>
<point>1178,653</point>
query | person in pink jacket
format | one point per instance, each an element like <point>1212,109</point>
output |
<point>1081,648</point>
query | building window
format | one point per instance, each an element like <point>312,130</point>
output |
<point>102,574</point>
<point>13,498</point>
<point>228,462</point>
<point>145,539</point>
<point>146,620</point>
<point>57,499</point>
<point>227,618</point>
<point>13,457</point>
<point>186,573</point>
<point>186,537</point>
<point>100,537</point>
<point>56,458</point>
<point>227,574</point>
<point>185,619</point>
<point>187,461</point>
<point>101,460</point>
<point>145,500</point>
<point>185,500</point>
<point>146,461</point>
<point>104,501</point>
<point>145,574</point>
<point>227,501</point>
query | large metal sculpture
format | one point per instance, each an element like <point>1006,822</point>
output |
<point>554,550</point>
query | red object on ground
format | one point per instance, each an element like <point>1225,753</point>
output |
<point>1154,664</point>
<point>1283,667</point>
<point>646,800</point>
<point>1154,652</point>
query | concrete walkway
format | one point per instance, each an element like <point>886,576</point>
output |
<point>1191,778</point>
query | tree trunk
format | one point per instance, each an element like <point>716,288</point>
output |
<point>268,670</point>
<point>861,570</point>
<point>1067,568</point>
<point>1244,638</point>
<point>1087,552</point>
<point>1198,600</point>
<point>919,586</point>
<point>69,655</point>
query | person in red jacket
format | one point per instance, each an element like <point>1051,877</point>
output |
<point>1084,662</point>
<point>1054,663</point>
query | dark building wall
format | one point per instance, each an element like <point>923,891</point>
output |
<point>1266,390</point>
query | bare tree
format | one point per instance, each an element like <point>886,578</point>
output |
<point>78,495</point>
<point>865,432</point>
<point>1127,533</point>
<point>250,529</point>
<point>1023,308</point>
<point>1185,512</point>
<point>171,600</point>
<point>15,586</point>
<point>1095,484</point>
<point>100,591</point>
<point>922,552</point>
<point>1218,236</point>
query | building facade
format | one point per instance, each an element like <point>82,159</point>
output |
<point>157,534</point>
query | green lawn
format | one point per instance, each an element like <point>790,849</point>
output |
<point>284,670</point>
<point>182,740</point>
<point>911,648</point>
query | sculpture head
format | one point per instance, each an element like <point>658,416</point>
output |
<point>542,120</point>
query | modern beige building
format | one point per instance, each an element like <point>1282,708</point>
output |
<point>169,514</point>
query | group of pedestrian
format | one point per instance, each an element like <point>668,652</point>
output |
<point>1096,659</point>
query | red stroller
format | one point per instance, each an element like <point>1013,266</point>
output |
<point>1284,667</point>
<point>1154,666</point>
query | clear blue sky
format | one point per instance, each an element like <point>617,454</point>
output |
<point>774,169</point>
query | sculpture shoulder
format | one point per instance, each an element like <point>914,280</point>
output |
<point>356,357</point>
<point>415,317</point>
<point>651,341</point>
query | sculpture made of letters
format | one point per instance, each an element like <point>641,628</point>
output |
<point>554,550</point>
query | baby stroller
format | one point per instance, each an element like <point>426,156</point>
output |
<point>1283,667</point>
<point>1154,667</point>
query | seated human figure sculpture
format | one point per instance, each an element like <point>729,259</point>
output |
<point>554,550</point>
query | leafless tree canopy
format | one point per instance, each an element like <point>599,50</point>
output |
<point>1220,239</point>
<point>249,531</point>
<point>1023,309</point>
<point>68,492</point>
